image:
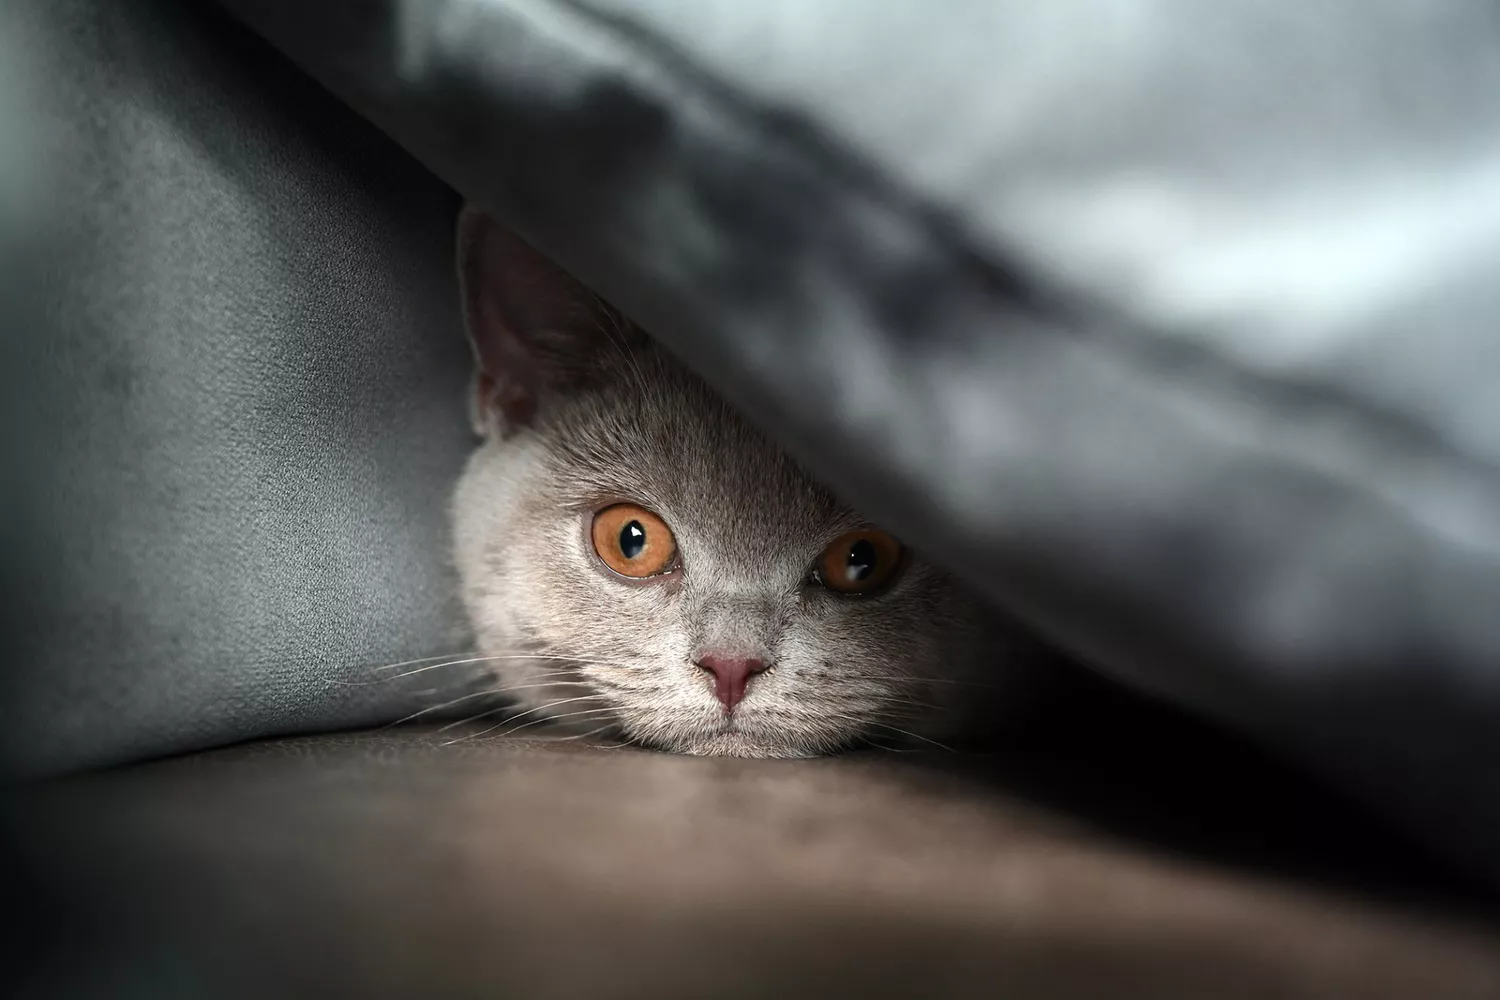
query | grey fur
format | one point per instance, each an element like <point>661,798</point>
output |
<point>916,662</point>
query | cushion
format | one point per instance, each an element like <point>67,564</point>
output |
<point>234,389</point>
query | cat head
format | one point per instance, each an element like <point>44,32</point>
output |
<point>634,553</point>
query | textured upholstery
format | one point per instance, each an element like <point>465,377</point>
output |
<point>236,379</point>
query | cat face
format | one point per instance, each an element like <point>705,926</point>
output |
<point>635,554</point>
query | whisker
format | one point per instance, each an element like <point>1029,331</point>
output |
<point>554,718</point>
<point>437,666</point>
<point>395,666</point>
<point>908,732</point>
<point>504,722</point>
<point>494,657</point>
<point>487,692</point>
<point>894,703</point>
<point>436,708</point>
<point>584,736</point>
<point>917,680</point>
<point>422,659</point>
<point>473,718</point>
<point>881,746</point>
<point>885,725</point>
<point>501,708</point>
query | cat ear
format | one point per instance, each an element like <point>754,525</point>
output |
<point>535,330</point>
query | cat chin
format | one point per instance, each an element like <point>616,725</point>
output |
<point>735,744</point>
<point>732,742</point>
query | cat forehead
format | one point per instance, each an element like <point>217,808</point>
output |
<point>670,442</point>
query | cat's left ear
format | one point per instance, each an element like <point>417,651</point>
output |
<point>536,331</point>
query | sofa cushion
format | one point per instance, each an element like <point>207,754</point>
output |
<point>233,389</point>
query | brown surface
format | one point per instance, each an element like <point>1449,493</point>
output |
<point>390,864</point>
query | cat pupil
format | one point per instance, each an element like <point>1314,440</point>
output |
<point>861,561</point>
<point>632,539</point>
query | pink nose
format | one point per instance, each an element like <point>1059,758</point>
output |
<point>731,674</point>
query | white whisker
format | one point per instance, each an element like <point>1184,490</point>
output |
<point>506,722</point>
<point>497,657</point>
<point>395,666</point>
<point>438,666</point>
<point>472,718</point>
<point>584,736</point>
<point>885,725</point>
<point>555,718</point>
<point>487,692</point>
<point>422,659</point>
<point>908,732</point>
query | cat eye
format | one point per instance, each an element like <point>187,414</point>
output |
<point>859,562</point>
<point>633,542</point>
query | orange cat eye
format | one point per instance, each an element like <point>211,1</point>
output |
<point>633,542</point>
<point>859,562</point>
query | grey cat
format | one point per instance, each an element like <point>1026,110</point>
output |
<point>633,553</point>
